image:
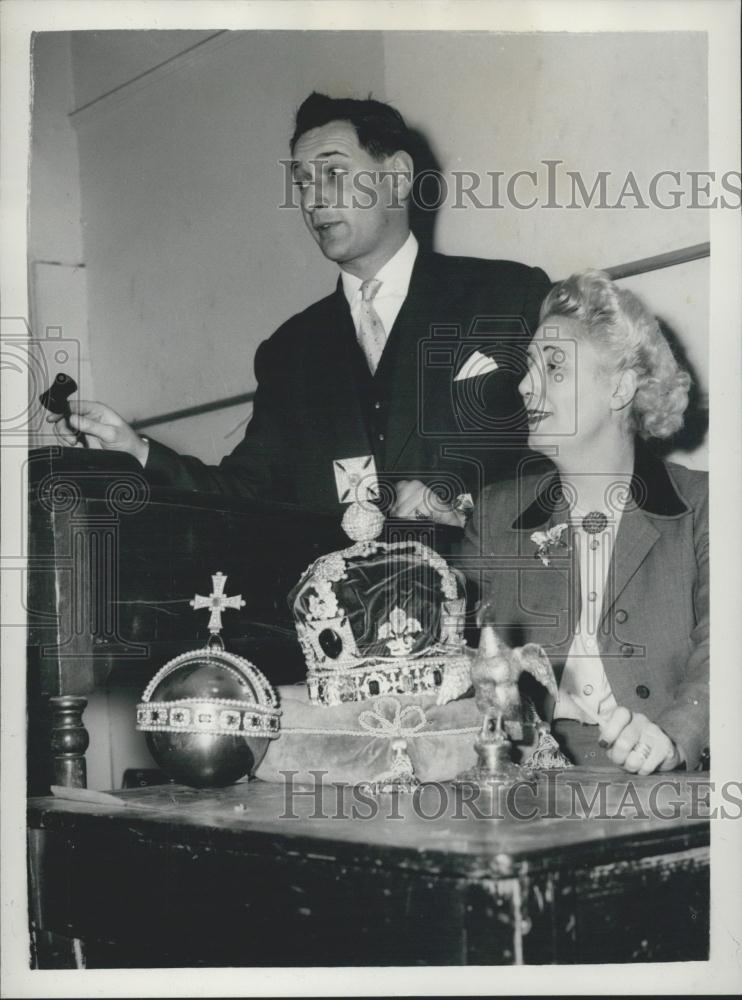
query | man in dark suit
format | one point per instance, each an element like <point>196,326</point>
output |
<point>407,372</point>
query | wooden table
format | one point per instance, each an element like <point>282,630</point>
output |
<point>253,875</point>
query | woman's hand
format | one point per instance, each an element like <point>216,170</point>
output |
<point>103,427</point>
<point>636,744</point>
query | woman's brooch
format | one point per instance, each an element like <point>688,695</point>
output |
<point>547,541</point>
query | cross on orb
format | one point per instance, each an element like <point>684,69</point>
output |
<point>217,601</point>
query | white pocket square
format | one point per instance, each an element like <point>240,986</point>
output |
<point>476,364</point>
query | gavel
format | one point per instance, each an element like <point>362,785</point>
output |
<point>56,399</point>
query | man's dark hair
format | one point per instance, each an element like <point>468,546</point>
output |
<point>380,128</point>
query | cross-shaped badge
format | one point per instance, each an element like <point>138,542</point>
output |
<point>217,601</point>
<point>356,479</point>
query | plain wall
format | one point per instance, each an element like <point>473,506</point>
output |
<point>54,231</point>
<point>613,101</point>
<point>107,60</point>
<point>56,257</point>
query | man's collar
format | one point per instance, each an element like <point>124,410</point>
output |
<point>652,490</point>
<point>394,275</point>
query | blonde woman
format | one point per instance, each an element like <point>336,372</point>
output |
<point>602,556</point>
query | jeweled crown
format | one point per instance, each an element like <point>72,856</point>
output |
<point>381,618</point>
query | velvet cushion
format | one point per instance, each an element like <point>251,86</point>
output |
<point>353,742</point>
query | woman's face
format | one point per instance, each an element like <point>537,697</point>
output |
<point>565,392</point>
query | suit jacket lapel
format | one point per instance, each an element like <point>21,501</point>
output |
<point>428,302</point>
<point>340,360</point>
<point>634,540</point>
<point>555,587</point>
<point>653,495</point>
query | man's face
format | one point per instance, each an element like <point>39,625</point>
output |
<point>348,199</point>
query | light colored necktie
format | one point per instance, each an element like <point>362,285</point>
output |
<point>371,332</point>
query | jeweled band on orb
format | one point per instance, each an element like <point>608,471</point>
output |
<point>215,717</point>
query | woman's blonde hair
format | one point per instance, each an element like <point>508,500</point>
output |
<point>617,322</point>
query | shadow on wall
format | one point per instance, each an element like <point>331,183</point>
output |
<point>427,191</point>
<point>694,431</point>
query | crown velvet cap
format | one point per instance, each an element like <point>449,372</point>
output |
<point>381,618</point>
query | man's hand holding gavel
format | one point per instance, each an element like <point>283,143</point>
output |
<point>103,428</point>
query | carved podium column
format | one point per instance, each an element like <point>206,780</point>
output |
<point>69,740</point>
<point>74,634</point>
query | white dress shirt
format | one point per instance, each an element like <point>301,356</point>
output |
<point>395,280</point>
<point>584,674</point>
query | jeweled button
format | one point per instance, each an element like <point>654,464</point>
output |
<point>642,690</point>
<point>621,616</point>
<point>627,650</point>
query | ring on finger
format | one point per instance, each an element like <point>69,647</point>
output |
<point>643,749</point>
